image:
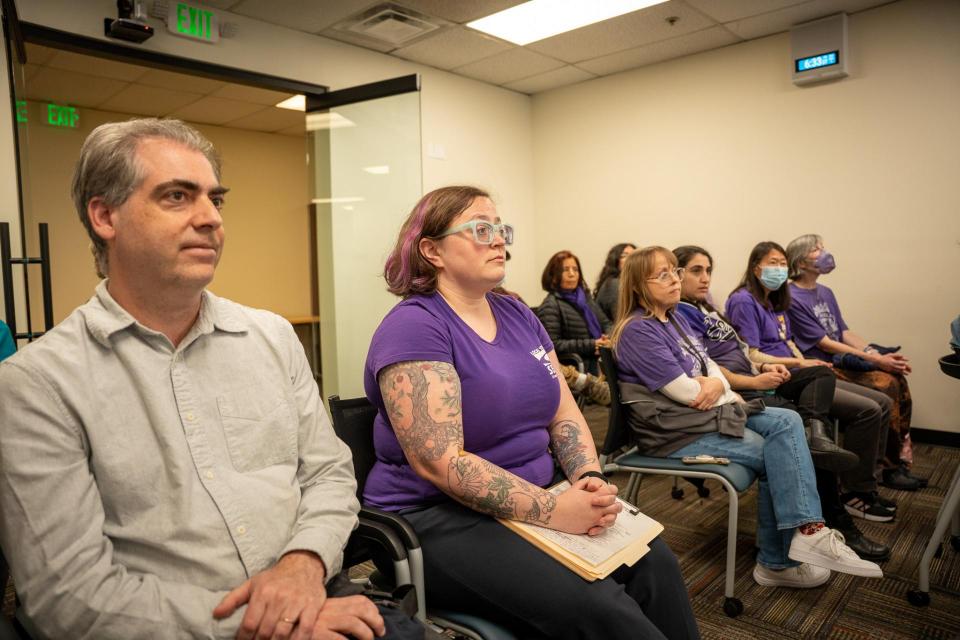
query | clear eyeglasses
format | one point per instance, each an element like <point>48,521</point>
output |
<point>666,276</point>
<point>483,232</point>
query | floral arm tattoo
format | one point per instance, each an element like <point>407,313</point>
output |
<point>423,403</point>
<point>571,451</point>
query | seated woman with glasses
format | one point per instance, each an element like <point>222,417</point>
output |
<point>608,284</point>
<point>757,309</point>
<point>808,391</point>
<point>656,348</point>
<point>473,422</point>
<point>820,332</point>
<point>571,317</point>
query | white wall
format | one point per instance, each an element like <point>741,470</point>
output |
<point>9,203</point>
<point>721,149</point>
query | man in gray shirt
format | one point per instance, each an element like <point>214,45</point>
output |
<point>167,469</point>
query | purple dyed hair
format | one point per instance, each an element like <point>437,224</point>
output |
<point>407,272</point>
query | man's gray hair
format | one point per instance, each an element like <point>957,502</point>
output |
<point>108,167</point>
<point>798,249</point>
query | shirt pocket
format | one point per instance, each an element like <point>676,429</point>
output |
<point>260,429</point>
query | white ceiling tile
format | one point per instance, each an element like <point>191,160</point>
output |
<point>179,82</point>
<point>220,4</point>
<point>299,131</point>
<point>244,93</point>
<point>148,101</point>
<point>550,80</point>
<point>727,10</point>
<point>625,32</point>
<point>453,47</point>
<point>780,21</point>
<point>211,110</point>
<point>38,54</point>
<point>90,65</point>
<point>360,40</point>
<point>459,10</point>
<point>508,66</point>
<point>64,87</point>
<point>271,119</point>
<point>303,15</point>
<point>705,40</point>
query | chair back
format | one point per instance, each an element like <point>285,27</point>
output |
<point>618,432</point>
<point>353,423</point>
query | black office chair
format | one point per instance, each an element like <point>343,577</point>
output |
<point>353,423</point>
<point>618,453</point>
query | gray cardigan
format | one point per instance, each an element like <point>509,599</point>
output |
<point>662,426</point>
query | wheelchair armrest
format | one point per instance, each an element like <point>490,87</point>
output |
<point>399,525</point>
<point>382,534</point>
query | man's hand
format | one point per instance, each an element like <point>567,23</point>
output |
<point>710,391</point>
<point>813,362</point>
<point>353,617</point>
<point>290,593</point>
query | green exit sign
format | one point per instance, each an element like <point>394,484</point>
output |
<point>63,116</point>
<point>189,21</point>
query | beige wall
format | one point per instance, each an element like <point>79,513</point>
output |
<point>721,149</point>
<point>266,260</point>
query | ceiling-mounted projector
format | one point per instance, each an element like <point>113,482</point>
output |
<point>127,25</point>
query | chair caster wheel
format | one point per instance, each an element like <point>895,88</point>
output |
<point>918,598</point>
<point>676,493</point>
<point>732,607</point>
<point>955,542</point>
<point>939,552</point>
<point>703,491</point>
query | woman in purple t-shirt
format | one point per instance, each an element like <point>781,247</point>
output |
<point>821,332</point>
<point>758,311</point>
<point>472,422</point>
<point>656,348</point>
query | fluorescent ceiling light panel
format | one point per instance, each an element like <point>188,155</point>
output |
<point>327,120</point>
<point>539,19</point>
<point>378,170</point>
<point>294,103</point>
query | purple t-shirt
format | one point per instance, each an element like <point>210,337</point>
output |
<point>652,353</point>
<point>814,313</point>
<point>758,326</point>
<point>509,392</point>
<point>718,337</point>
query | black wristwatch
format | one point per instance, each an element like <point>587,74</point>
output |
<point>593,474</point>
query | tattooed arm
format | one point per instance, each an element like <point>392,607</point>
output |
<point>424,407</point>
<point>570,437</point>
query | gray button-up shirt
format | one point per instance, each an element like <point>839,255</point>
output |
<point>140,482</point>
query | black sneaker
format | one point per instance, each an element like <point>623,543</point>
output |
<point>886,503</point>
<point>906,470</point>
<point>899,479</point>
<point>866,506</point>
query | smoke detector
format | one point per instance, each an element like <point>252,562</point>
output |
<point>389,24</point>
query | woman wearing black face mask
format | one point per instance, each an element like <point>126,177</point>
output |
<point>820,332</point>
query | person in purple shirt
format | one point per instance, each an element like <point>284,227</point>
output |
<point>758,311</point>
<point>820,332</point>
<point>808,391</point>
<point>656,348</point>
<point>473,422</point>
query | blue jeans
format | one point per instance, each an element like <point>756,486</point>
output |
<point>775,446</point>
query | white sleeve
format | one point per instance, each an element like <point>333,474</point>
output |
<point>682,389</point>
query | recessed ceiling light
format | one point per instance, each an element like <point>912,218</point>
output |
<point>378,170</point>
<point>294,103</point>
<point>539,19</point>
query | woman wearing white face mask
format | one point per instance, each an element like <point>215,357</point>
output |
<point>820,332</point>
<point>758,311</point>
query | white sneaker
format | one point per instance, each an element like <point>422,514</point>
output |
<point>805,576</point>
<point>826,549</point>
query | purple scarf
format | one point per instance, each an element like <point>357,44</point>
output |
<point>578,298</point>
